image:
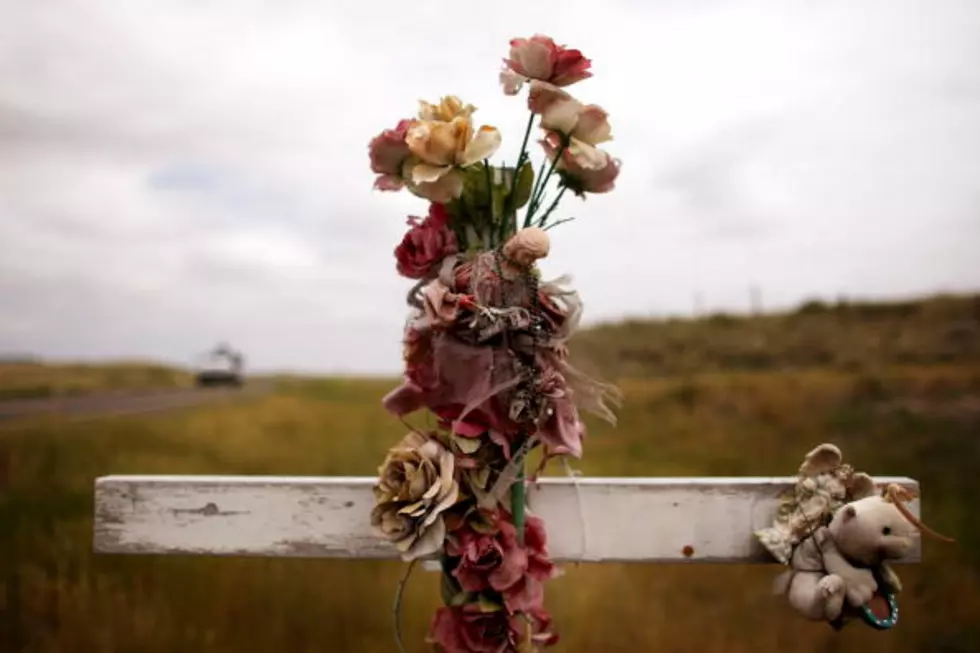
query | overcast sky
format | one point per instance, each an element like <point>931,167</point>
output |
<point>175,172</point>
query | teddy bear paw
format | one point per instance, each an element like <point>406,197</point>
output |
<point>830,586</point>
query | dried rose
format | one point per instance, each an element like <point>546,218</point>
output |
<point>578,178</point>
<point>389,151</point>
<point>426,244</point>
<point>583,125</point>
<point>527,595</point>
<point>416,485</point>
<point>492,558</point>
<point>581,179</point>
<point>484,627</point>
<point>442,143</point>
<point>449,107</point>
<point>539,57</point>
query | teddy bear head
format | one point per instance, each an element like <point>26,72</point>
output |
<point>872,530</point>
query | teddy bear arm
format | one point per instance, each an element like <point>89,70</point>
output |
<point>860,583</point>
<point>890,578</point>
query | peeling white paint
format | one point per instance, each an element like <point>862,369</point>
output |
<point>626,519</point>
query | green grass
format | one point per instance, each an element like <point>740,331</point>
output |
<point>918,421</point>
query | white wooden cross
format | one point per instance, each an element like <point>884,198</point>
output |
<point>599,520</point>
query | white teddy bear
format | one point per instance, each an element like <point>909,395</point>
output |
<point>846,560</point>
<point>837,534</point>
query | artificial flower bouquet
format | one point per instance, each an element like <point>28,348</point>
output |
<point>485,346</point>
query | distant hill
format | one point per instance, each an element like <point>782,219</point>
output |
<point>36,380</point>
<point>847,335</point>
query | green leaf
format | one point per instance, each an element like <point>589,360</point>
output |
<point>480,477</point>
<point>523,186</point>
<point>475,192</point>
<point>462,599</point>
<point>467,445</point>
<point>448,588</point>
<point>488,605</point>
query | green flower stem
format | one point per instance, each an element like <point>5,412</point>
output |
<point>555,224</point>
<point>521,158</point>
<point>544,218</point>
<point>487,176</point>
<point>518,501</point>
<point>536,198</point>
<point>534,191</point>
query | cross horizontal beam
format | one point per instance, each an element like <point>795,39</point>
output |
<point>588,519</point>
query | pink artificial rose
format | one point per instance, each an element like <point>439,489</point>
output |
<point>468,629</point>
<point>477,422</point>
<point>541,58</point>
<point>527,595</point>
<point>582,176</point>
<point>426,244</point>
<point>497,561</point>
<point>488,560</point>
<point>388,151</point>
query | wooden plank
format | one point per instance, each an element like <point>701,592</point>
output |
<point>627,519</point>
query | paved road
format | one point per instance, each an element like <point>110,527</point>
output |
<point>123,403</point>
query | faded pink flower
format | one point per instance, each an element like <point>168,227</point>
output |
<point>583,125</point>
<point>493,423</point>
<point>426,244</point>
<point>389,151</point>
<point>496,561</point>
<point>474,628</point>
<point>487,560</point>
<point>539,57</point>
<point>527,595</point>
<point>582,179</point>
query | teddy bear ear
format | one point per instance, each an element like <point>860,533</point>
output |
<point>850,512</point>
<point>861,486</point>
<point>822,459</point>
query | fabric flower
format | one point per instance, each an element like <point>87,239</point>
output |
<point>479,628</point>
<point>583,125</point>
<point>496,560</point>
<point>492,560</point>
<point>540,58</point>
<point>527,594</point>
<point>439,148</point>
<point>426,244</point>
<point>449,107</point>
<point>388,152</point>
<point>416,485</point>
<point>578,178</point>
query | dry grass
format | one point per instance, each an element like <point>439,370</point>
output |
<point>37,380</point>
<point>922,422</point>
<point>844,335</point>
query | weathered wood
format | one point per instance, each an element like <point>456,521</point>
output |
<point>625,519</point>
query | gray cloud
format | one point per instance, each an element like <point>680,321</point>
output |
<point>176,173</point>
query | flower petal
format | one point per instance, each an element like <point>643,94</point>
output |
<point>483,145</point>
<point>561,116</point>
<point>593,125</point>
<point>445,189</point>
<point>542,95</point>
<point>533,56</point>
<point>433,142</point>
<point>586,155</point>
<point>388,182</point>
<point>512,82</point>
<point>424,173</point>
<point>429,542</point>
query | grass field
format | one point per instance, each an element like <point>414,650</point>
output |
<point>922,421</point>
<point>28,380</point>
